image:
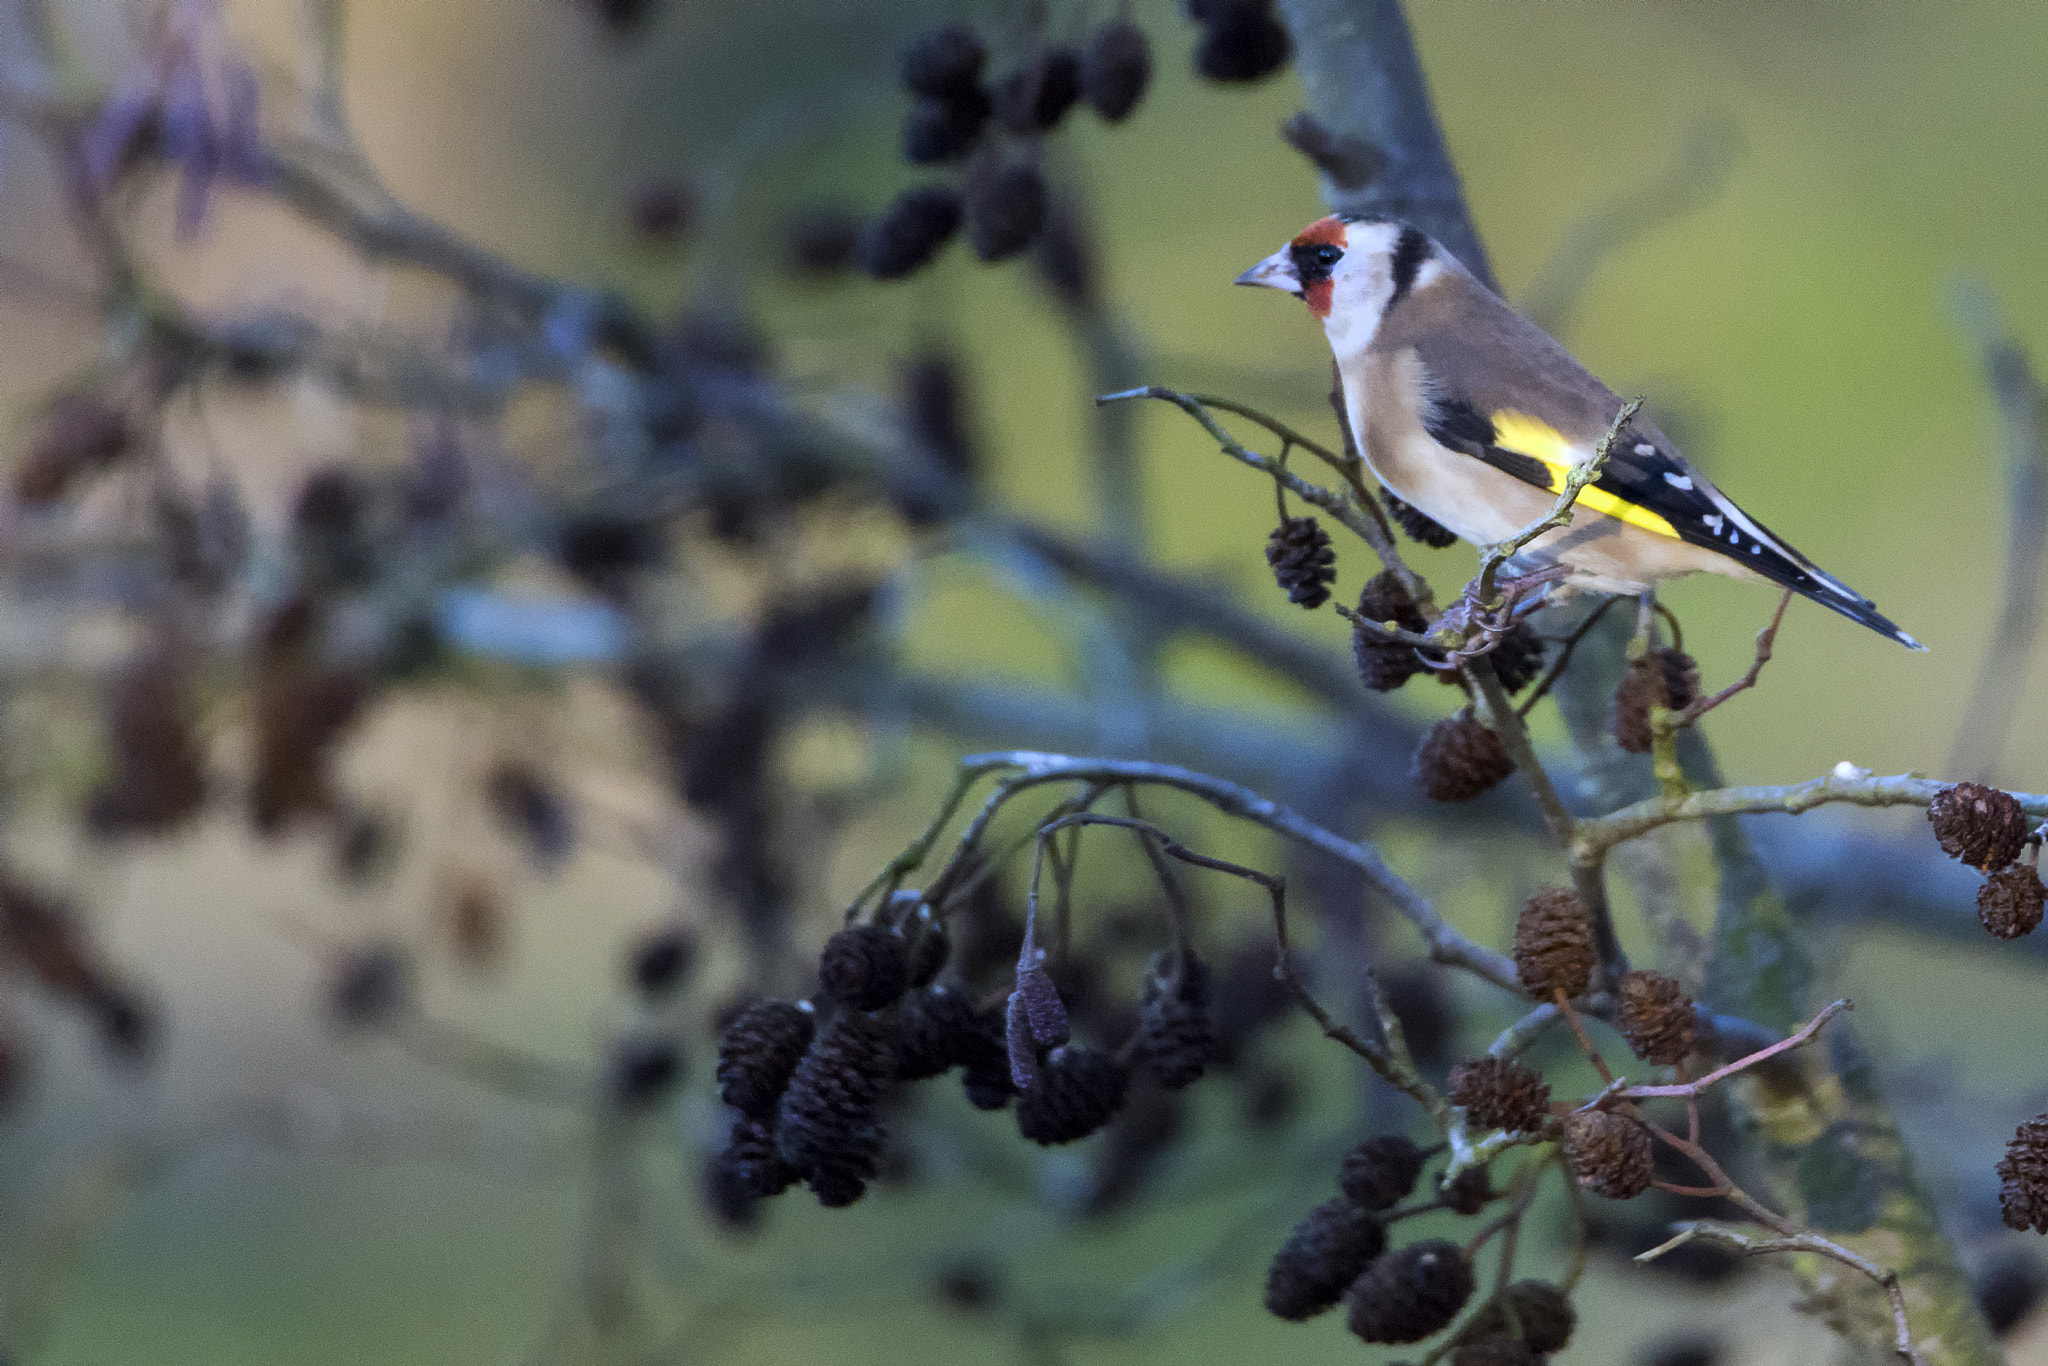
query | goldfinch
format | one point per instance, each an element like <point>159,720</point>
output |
<point>1470,413</point>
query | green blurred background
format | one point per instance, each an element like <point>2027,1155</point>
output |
<point>1857,162</point>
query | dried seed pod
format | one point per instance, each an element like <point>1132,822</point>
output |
<point>937,1028</point>
<point>825,1126</point>
<point>1459,759</point>
<point>1242,43</point>
<point>1383,664</point>
<point>820,240</point>
<point>1175,1037</point>
<point>944,63</point>
<point>644,1069</point>
<point>1554,949</point>
<point>1036,96</point>
<point>473,916</point>
<point>78,435</point>
<point>751,1155</point>
<point>865,966</point>
<point>1077,1091</point>
<point>2023,1177</point>
<point>1519,657</point>
<point>1657,1017</point>
<point>1979,825</point>
<point>159,762</point>
<point>661,960</point>
<point>1380,1171</point>
<point>944,130</point>
<point>1494,1349</point>
<point>1116,66</point>
<point>1610,1153</point>
<point>2010,901</point>
<point>1326,1252</point>
<point>757,1053</point>
<point>929,947</point>
<point>1544,1312</point>
<point>1411,1292</point>
<point>1303,563</point>
<point>910,232</point>
<point>1005,210</point>
<point>1500,1093</point>
<point>370,986</point>
<point>1417,524</point>
<point>1657,678</point>
<point>1469,1192</point>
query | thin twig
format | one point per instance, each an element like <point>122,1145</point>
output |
<point>1706,1230</point>
<point>1765,639</point>
<point>1560,514</point>
<point>1696,1088</point>
<point>1446,944</point>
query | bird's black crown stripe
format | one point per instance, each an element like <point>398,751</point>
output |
<point>1411,249</point>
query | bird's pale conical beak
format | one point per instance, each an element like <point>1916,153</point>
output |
<point>1275,272</point>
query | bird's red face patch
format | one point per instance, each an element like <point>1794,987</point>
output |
<point>1315,282</point>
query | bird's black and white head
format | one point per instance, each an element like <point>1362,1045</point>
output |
<point>1349,271</point>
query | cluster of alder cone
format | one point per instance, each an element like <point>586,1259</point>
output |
<point>1340,1252</point>
<point>1458,758</point>
<point>808,1078</point>
<point>991,128</point>
<point>1990,831</point>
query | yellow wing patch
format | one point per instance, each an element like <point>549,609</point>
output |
<point>1533,437</point>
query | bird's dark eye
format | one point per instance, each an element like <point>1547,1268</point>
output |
<point>1312,260</point>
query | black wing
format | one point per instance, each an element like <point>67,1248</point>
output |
<point>1644,472</point>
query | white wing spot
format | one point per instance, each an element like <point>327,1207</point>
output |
<point>1677,481</point>
<point>1713,521</point>
<point>1756,549</point>
<point>1645,448</point>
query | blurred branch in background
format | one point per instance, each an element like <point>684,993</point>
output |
<point>2002,676</point>
<point>1697,170</point>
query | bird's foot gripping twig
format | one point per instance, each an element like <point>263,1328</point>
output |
<point>1474,626</point>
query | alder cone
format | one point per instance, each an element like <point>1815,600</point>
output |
<point>1554,949</point>
<point>865,966</point>
<point>1380,1171</point>
<point>2023,1177</point>
<point>910,232</point>
<point>1979,825</point>
<point>1519,657</point>
<point>1116,66</point>
<point>1500,1093</point>
<point>1666,678</point>
<point>944,63</point>
<point>1657,1017</point>
<point>1078,1090</point>
<point>1544,1311</point>
<point>1410,1293</point>
<point>1459,759</point>
<point>1611,1154</point>
<point>1384,665</point>
<point>1005,210</point>
<point>758,1051</point>
<point>1326,1252</point>
<point>1417,524</point>
<point>1303,563</point>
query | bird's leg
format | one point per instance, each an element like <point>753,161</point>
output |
<point>1481,625</point>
